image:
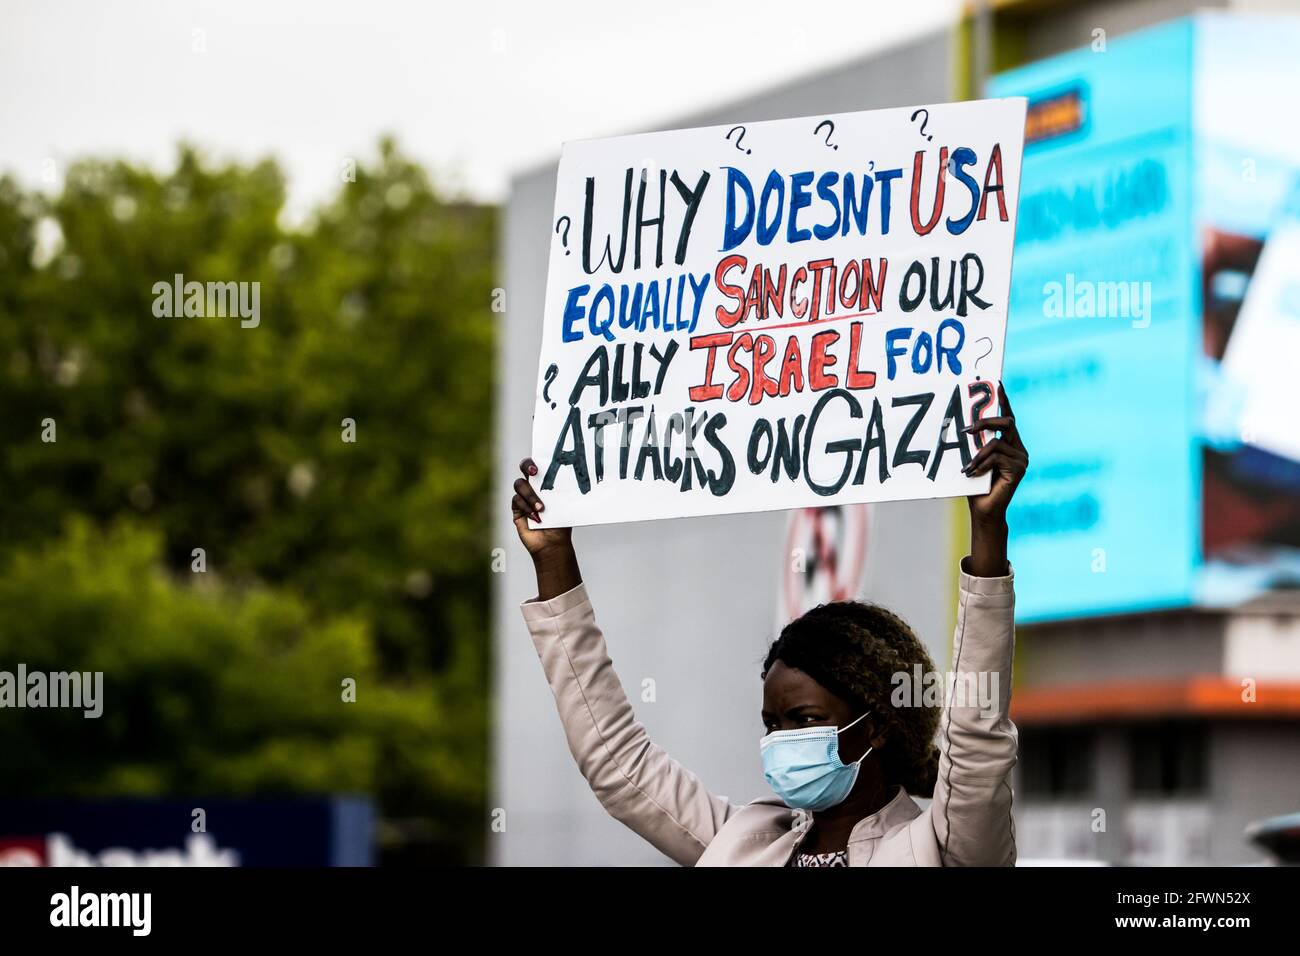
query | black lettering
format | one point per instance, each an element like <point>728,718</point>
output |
<point>902,455</point>
<point>576,456</point>
<point>875,438</point>
<point>848,445</point>
<point>953,414</point>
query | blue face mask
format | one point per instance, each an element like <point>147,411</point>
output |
<point>804,769</point>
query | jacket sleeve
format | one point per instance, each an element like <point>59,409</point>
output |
<point>634,780</point>
<point>971,810</point>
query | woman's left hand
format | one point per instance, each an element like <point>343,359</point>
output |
<point>1004,456</point>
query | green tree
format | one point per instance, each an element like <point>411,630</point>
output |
<point>177,433</point>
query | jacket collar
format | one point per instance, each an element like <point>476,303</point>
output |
<point>901,809</point>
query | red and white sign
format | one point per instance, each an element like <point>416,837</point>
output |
<point>825,557</point>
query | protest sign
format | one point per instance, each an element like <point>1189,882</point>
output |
<point>775,315</point>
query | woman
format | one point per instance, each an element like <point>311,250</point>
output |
<point>843,759</point>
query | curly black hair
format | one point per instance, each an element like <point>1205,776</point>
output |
<point>854,650</point>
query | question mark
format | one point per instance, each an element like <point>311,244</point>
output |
<point>976,366</point>
<point>740,138</point>
<point>564,238</point>
<point>828,135</point>
<point>551,372</point>
<point>923,122</point>
<point>981,394</point>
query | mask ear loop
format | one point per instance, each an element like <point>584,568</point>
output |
<point>851,723</point>
<point>847,726</point>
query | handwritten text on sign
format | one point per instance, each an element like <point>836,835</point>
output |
<point>775,315</point>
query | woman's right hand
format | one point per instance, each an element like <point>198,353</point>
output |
<point>550,548</point>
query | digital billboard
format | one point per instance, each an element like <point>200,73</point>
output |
<point>1154,313</point>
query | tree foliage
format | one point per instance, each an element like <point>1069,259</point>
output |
<point>325,558</point>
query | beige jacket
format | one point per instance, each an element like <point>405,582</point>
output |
<point>968,823</point>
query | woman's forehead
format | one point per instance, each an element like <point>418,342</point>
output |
<point>786,687</point>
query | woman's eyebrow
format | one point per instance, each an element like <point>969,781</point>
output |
<point>798,707</point>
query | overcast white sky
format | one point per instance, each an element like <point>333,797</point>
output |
<point>475,90</point>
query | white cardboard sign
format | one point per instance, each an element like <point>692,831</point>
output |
<point>775,315</point>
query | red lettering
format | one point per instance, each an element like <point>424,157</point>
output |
<point>764,384</point>
<point>918,163</point>
<point>995,163</point>
<point>819,361</point>
<point>712,342</point>
<point>856,377</point>
<point>728,319</point>
<point>754,297</point>
<point>872,289</point>
<point>792,367</point>
<point>798,308</point>
<point>854,271</point>
<point>774,295</point>
<point>741,385</point>
<point>817,268</point>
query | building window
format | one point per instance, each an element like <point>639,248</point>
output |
<point>1168,759</point>
<point>1057,761</point>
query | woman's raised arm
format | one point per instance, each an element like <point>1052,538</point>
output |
<point>634,780</point>
<point>971,811</point>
